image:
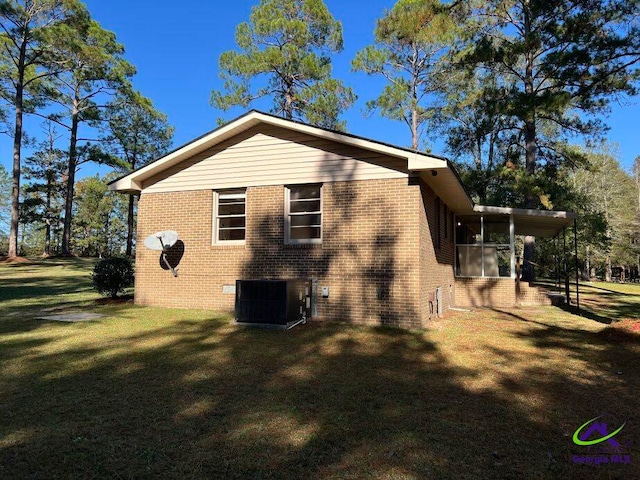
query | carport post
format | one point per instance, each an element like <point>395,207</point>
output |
<point>575,247</point>
<point>556,257</point>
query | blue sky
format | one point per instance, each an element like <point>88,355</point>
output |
<point>175,47</point>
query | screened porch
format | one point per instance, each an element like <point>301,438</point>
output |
<point>488,241</point>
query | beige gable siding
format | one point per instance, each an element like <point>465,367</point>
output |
<point>266,155</point>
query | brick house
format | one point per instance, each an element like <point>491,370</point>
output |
<point>392,233</point>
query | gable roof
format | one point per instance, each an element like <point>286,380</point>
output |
<point>436,171</point>
<point>448,186</point>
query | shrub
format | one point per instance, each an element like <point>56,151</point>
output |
<point>112,275</point>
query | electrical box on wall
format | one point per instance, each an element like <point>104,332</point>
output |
<point>325,292</point>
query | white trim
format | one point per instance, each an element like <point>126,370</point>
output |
<point>287,216</point>
<point>523,212</point>
<point>215,241</point>
<point>133,181</point>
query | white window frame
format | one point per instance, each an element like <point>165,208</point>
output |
<point>288,214</point>
<point>232,193</point>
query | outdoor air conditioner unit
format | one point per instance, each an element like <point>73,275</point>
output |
<point>275,303</point>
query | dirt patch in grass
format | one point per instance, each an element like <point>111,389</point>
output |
<point>114,301</point>
<point>10,260</point>
<point>626,330</point>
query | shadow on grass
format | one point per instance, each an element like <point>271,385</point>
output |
<point>70,263</point>
<point>613,307</point>
<point>198,398</point>
<point>585,313</point>
<point>201,399</point>
<point>41,287</point>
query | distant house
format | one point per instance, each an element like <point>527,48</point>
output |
<point>391,233</point>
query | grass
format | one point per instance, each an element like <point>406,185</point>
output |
<point>149,392</point>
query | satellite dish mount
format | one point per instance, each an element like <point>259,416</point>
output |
<point>163,241</point>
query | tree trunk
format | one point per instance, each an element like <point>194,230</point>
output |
<point>47,238</point>
<point>528,272</point>
<point>17,145</point>
<point>130,226</point>
<point>607,274</point>
<point>414,97</point>
<point>414,130</point>
<point>15,187</point>
<point>587,264</point>
<point>68,204</point>
<point>288,100</point>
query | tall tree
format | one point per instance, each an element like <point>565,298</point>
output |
<point>99,228</point>
<point>5,200</point>
<point>25,61</point>
<point>636,223</point>
<point>636,176</point>
<point>608,191</point>
<point>566,61</point>
<point>46,190</point>
<point>285,47</point>
<point>477,134</point>
<point>138,133</point>
<point>411,42</point>
<point>95,69</point>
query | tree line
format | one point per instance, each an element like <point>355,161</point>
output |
<point>518,89</point>
<point>510,85</point>
<point>58,63</point>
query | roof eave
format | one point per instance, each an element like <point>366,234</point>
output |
<point>524,212</point>
<point>136,178</point>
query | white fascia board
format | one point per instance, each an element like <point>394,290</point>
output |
<point>125,184</point>
<point>417,162</point>
<point>524,212</point>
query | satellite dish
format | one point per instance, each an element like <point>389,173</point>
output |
<point>161,240</point>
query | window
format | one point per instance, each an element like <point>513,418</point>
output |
<point>303,214</point>
<point>230,219</point>
<point>484,247</point>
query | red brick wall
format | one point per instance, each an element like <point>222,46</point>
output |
<point>375,235</point>
<point>497,292</point>
<point>436,264</point>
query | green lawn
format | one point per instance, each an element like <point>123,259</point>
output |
<point>162,393</point>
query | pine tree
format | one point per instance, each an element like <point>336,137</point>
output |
<point>46,191</point>
<point>285,48</point>
<point>26,61</point>
<point>412,40</point>
<point>137,134</point>
<point>94,69</point>
<point>564,62</point>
